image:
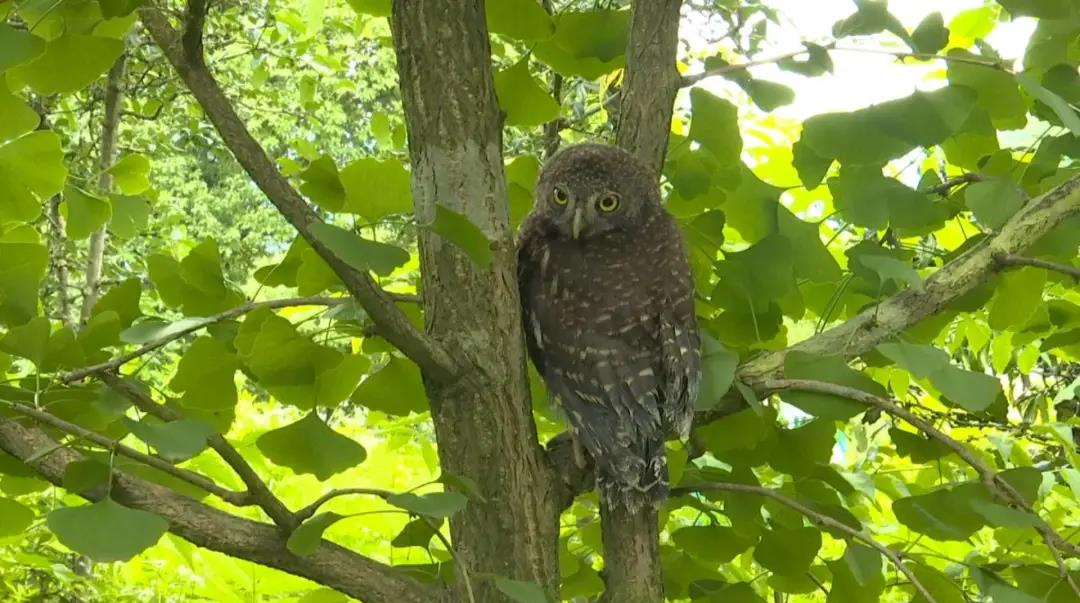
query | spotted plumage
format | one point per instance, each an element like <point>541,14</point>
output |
<point>607,301</point>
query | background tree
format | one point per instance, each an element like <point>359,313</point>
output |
<point>888,296</point>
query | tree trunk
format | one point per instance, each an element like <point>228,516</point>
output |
<point>631,556</point>
<point>483,420</point>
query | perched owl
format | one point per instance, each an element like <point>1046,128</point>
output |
<point>608,305</point>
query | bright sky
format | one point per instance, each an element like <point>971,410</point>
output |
<point>862,79</point>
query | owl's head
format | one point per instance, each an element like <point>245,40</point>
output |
<point>588,190</point>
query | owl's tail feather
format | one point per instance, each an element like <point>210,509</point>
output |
<point>635,479</point>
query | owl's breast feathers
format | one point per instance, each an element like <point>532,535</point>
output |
<point>610,326</point>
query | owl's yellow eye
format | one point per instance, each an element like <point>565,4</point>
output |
<point>608,202</point>
<point>560,196</point>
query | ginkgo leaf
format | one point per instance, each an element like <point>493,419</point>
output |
<point>437,505</point>
<point>305,539</point>
<point>106,531</point>
<point>310,446</point>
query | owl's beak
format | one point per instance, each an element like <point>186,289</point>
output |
<point>578,223</point>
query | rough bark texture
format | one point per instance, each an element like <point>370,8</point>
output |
<point>632,568</point>
<point>483,421</point>
<point>652,80</point>
<point>106,156</point>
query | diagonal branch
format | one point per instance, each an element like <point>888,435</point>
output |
<point>331,565</point>
<point>819,518</point>
<point>258,492</point>
<point>907,308</point>
<point>116,363</point>
<point>1018,260</point>
<point>998,487</point>
<point>239,499</point>
<point>183,52</point>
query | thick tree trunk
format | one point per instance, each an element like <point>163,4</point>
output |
<point>631,557</point>
<point>483,421</point>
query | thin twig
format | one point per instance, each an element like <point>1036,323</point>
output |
<point>691,79</point>
<point>240,499</point>
<point>947,186</point>
<point>998,487</point>
<point>116,363</point>
<point>303,514</point>
<point>257,489</point>
<point>818,518</point>
<point>1018,260</point>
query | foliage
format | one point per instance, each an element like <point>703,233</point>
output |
<point>231,332</point>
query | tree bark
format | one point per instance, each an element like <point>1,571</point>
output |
<point>632,568</point>
<point>483,421</point>
<point>110,127</point>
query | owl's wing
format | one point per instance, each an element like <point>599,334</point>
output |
<point>529,257</point>
<point>680,355</point>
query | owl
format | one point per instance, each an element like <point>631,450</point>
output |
<point>608,308</point>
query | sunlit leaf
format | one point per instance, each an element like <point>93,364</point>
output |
<point>310,446</point>
<point>106,531</point>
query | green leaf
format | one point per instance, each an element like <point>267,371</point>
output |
<point>522,98</point>
<point>1069,117</point>
<point>798,451</point>
<point>768,96</point>
<point>788,551</point>
<point>1040,9</point>
<point>164,272</point>
<point>1018,294</point>
<point>106,531</point>
<point>396,389</point>
<point>817,62</point>
<point>1002,516</point>
<point>831,369</point>
<point>22,267</point>
<point>18,46</point>
<point>436,505</point>
<point>918,448</point>
<point>463,233</point>
<point>943,514</point>
<point>888,268</point>
<point>930,36</point>
<point>719,544</point>
<point>19,118</point>
<point>322,184</point>
<point>130,216</point>
<point>28,341</point>
<point>70,62</point>
<point>201,270</point>
<point>522,592</point>
<point>811,167</point>
<point>360,253</point>
<point>310,446</point>
<point>375,8</point>
<point>122,299</point>
<point>974,392</point>
<point>993,201</point>
<point>85,213</point>
<point>586,44</point>
<point>375,189</point>
<point>305,539</point>
<point>84,476</point>
<point>174,441</point>
<point>864,563</point>
<point>518,19</point>
<point>31,170</point>
<point>15,518</point>
<point>119,8</point>
<point>715,125</point>
<point>131,173</point>
<point>940,587</point>
<point>921,361</point>
<point>206,376</point>
<point>417,532</point>
<point>323,595</point>
<point>718,365</point>
<point>996,90</point>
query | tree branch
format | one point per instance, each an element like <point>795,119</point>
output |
<point>652,81</point>
<point>183,53</point>
<point>239,499</point>
<point>998,487</point>
<point>947,186</point>
<point>1018,260</point>
<point>331,565</point>
<point>257,491</point>
<point>907,308</point>
<point>304,514</point>
<point>116,363</point>
<point>110,127</point>
<point>819,518</point>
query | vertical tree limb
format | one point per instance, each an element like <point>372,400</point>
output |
<point>484,425</point>
<point>114,98</point>
<point>632,569</point>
